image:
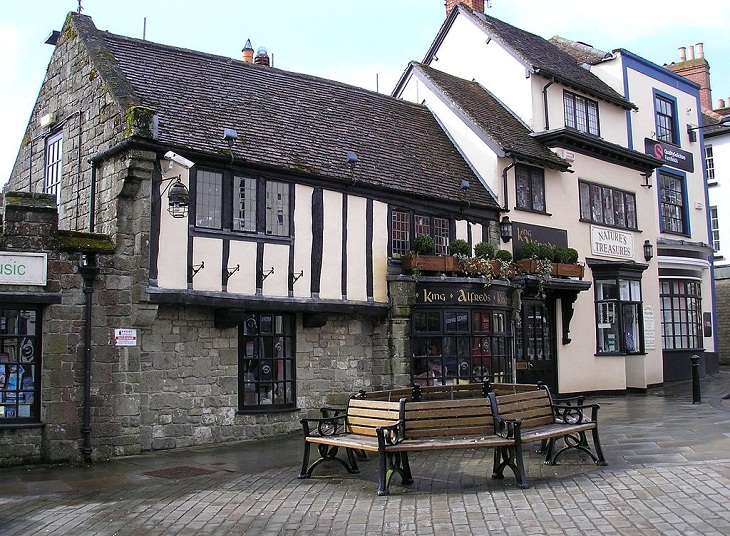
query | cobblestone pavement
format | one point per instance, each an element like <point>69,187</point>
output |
<point>668,473</point>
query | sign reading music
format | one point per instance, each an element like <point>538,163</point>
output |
<point>462,295</point>
<point>23,268</point>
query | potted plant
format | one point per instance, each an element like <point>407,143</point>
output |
<point>566,263</point>
<point>422,259</point>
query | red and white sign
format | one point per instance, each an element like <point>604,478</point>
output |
<point>125,337</point>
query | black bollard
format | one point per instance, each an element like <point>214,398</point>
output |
<point>696,395</point>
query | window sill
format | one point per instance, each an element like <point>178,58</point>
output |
<point>619,354</point>
<point>521,209</point>
<point>20,425</point>
<point>266,410</point>
<point>711,184</point>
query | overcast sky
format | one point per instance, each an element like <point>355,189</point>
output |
<point>364,42</point>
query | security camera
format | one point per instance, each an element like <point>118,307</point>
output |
<point>174,157</point>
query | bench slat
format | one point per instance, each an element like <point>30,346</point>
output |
<point>449,412</point>
<point>451,432</point>
<point>371,423</point>
<point>369,444</point>
<point>373,413</point>
<point>440,444</point>
<point>445,404</point>
<point>374,404</point>
<point>447,422</point>
<point>527,395</point>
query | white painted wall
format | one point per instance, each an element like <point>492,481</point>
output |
<point>276,256</point>
<point>244,280</point>
<point>380,251</point>
<point>331,280</point>
<point>210,252</point>
<point>303,240</point>
<point>356,253</point>
<point>172,272</point>
<point>720,194</point>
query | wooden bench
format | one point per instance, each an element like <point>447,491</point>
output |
<point>394,429</point>
<point>542,420</point>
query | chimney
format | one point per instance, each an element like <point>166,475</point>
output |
<point>720,103</point>
<point>262,57</point>
<point>247,52</point>
<point>474,5</point>
<point>695,69</point>
<point>682,53</point>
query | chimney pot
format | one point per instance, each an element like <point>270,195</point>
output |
<point>247,52</point>
<point>720,103</point>
<point>699,47</point>
<point>262,57</point>
<point>682,53</point>
<point>691,52</point>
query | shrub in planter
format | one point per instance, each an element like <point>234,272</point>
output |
<point>529,251</point>
<point>503,255</point>
<point>423,245</point>
<point>460,247</point>
<point>546,251</point>
<point>571,256</point>
<point>484,250</point>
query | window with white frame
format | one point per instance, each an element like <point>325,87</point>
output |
<point>715,228</point>
<point>581,113</point>
<point>406,225</point>
<point>673,204</point>
<point>710,164</point>
<point>665,119</point>
<point>53,168</point>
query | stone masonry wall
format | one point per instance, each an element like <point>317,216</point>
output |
<point>722,294</point>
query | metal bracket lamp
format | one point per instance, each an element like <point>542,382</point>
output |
<point>228,272</point>
<point>648,251</point>
<point>195,268</point>
<point>505,229</point>
<point>178,197</point>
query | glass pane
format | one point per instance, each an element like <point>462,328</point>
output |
<point>608,328</point>
<point>630,314</point>
<point>523,188</point>
<point>538,191</point>
<point>277,208</point>
<point>208,199</point>
<point>244,204</point>
<point>624,292</point>
<point>608,206</point>
<point>619,212</point>
<point>631,211</point>
<point>596,204</point>
<point>607,290</point>
<point>585,201</point>
<point>400,233</point>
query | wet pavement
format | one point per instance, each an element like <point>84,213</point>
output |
<point>668,473</point>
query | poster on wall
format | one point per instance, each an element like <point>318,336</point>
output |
<point>649,333</point>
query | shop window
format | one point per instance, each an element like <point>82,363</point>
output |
<point>665,108</point>
<point>681,314</point>
<point>619,316</point>
<point>607,206</point>
<point>53,167</point>
<point>460,346</point>
<point>533,332</point>
<point>581,114</point>
<point>673,203</point>
<point>267,362</point>
<point>20,365</point>
<point>406,225</point>
<point>530,188</point>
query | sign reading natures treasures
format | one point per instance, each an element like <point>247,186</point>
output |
<point>464,295</point>
<point>611,243</point>
<point>23,269</point>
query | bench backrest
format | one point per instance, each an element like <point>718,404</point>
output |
<point>364,416</point>
<point>531,407</point>
<point>512,388</point>
<point>392,395</point>
<point>431,392</point>
<point>462,417</point>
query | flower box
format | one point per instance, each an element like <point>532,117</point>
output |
<point>430,263</point>
<point>529,266</point>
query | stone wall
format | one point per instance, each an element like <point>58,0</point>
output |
<point>722,295</point>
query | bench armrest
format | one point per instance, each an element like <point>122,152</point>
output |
<point>507,428</point>
<point>391,434</point>
<point>325,426</point>
<point>569,401</point>
<point>575,414</point>
<point>332,411</point>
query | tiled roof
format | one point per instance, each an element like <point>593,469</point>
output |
<point>545,58</point>
<point>492,117</point>
<point>288,120</point>
<point>710,120</point>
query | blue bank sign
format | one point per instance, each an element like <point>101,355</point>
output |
<point>23,268</point>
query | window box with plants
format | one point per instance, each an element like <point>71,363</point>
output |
<point>421,258</point>
<point>487,261</point>
<point>550,260</point>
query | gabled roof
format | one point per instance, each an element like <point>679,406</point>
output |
<point>710,122</point>
<point>284,120</point>
<point>536,54</point>
<point>485,111</point>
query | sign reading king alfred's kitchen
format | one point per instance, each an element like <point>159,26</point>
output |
<point>23,268</point>
<point>611,243</point>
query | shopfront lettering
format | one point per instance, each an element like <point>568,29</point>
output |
<point>12,269</point>
<point>433,297</point>
<point>23,268</point>
<point>473,297</point>
<point>463,295</point>
<point>611,243</point>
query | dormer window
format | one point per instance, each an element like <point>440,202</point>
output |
<point>581,114</point>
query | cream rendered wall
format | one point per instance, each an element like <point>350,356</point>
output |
<point>276,256</point>
<point>720,194</point>
<point>469,144</point>
<point>610,71</point>
<point>466,54</point>
<point>210,252</point>
<point>244,280</point>
<point>331,280</point>
<point>303,239</point>
<point>172,271</point>
<point>380,251</point>
<point>356,253</point>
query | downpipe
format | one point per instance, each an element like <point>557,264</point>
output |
<point>88,269</point>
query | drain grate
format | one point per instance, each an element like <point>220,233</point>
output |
<point>182,471</point>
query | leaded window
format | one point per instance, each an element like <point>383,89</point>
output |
<point>672,200</point>
<point>277,208</point>
<point>20,365</point>
<point>607,206</point>
<point>53,167</point>
<point>581,113</point>
<point>208,199</point>
<point>244,204</point>
<point>451,346</point>
<point>681,302</point>
<point>267,364</point>
<point>400,233</point>
<point>530,188</point>
<point>405,226</point>
<point>665,119</point>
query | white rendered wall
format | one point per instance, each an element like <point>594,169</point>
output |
<point>356,252</point>
<point>720,194</point>
<point>303,240</point>
<point>331,279</point>
<point>172,270</point>
<point>209,252</point>
<point>380,251</point>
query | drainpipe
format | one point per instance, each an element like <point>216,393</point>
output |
<point>88,270</point>
<point>545,102</point>
<point>506,188</point>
